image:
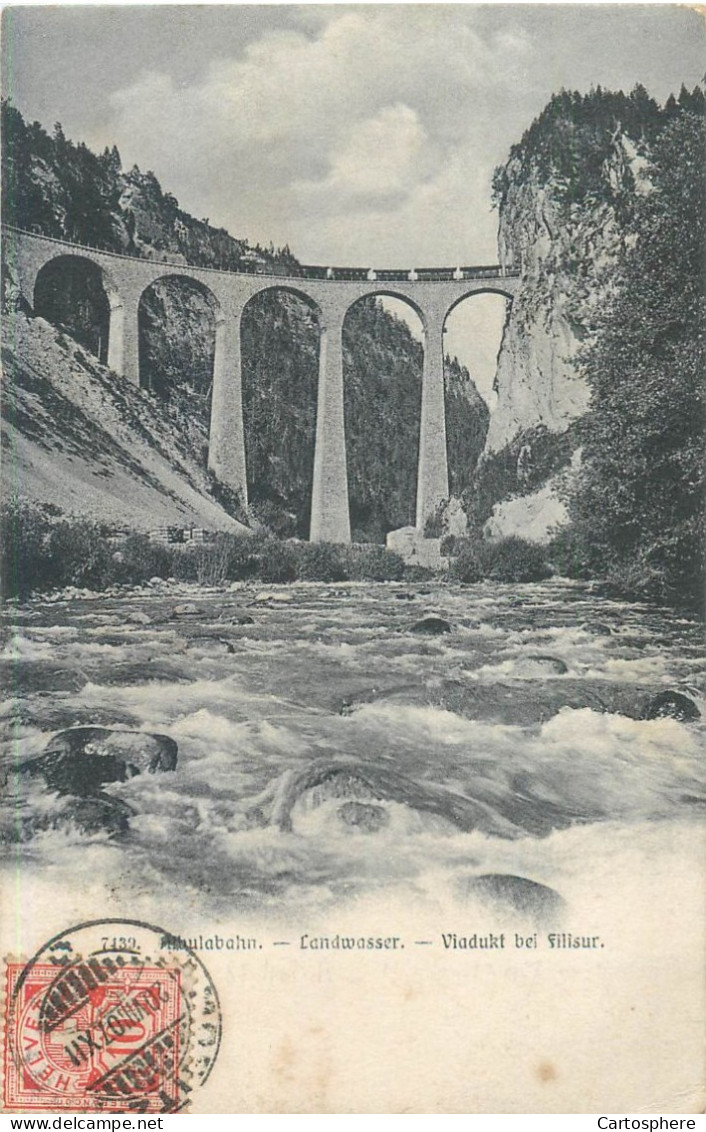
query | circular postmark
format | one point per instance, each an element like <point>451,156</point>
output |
<point>110,1015</point>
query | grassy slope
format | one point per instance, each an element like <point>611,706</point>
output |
<point>80,438</point>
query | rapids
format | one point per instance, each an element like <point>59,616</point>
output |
<point>504,746</point>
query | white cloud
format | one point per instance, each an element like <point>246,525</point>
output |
<point>364,136</point>
<point>381,156</point>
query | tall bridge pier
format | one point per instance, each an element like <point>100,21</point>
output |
<point>431,292</point>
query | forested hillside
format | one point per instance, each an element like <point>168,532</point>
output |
<point>638,506</point>
<point>64,190</point>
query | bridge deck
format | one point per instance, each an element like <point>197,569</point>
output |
<point>302,271</point>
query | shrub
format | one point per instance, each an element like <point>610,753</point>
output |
<point>81,555</point>
<point>417,574</point>
<point>375,564</point>
<point>25,564</point>
<point>277,561</point>
<point>435,523</point>
<point>185,562</point>
<point>574,554</point>
<point>509,560</point>
<point>275,518</point>
<point>211,563</point>
<point>451,544</point>
<point>514,560</point>
<point>372,531</point>
<point>322,562</point>
<point>467,566</point>
<point>237,554</point>
<point>229,557</point>
<point>141,559</point>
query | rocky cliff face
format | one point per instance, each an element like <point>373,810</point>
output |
<point>566,251</point>
<point>566,201</point>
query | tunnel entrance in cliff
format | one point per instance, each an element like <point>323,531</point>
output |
<point>473,333</point>
<point>69,293</point>
<point>382,396</point>
<point>280,370</point>
<point>177,342</point>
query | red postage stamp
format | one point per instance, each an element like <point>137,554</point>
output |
<point>97,1034</point>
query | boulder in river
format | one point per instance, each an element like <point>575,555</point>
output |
<point>96,813</point>
<point>431,626</point>
<point>506,892</point>
<point>596,628</point>
<point>185,609</point>
<point>508,701</point>
<point>538,665</point>
<point>369,784</point>
<point>138,618</point>
<point>670,705</point>
<point>82,759</point>
<point>46,715</point>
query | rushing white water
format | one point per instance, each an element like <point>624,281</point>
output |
<point>573,790</point>
<point>338,773</point>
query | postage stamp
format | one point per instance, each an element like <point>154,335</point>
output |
<point>107,1016</point>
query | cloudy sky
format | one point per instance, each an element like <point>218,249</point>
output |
<point>361,134</point>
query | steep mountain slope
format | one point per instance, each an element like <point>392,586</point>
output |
<point>78,438</point>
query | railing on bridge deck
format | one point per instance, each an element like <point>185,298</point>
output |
<point>303,271</point>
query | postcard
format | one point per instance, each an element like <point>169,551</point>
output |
<point>352,638</point>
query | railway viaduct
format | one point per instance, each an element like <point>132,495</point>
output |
<point>431,292</point>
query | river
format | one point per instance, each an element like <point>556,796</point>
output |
<point>341,774</point>
<point>520,707</point>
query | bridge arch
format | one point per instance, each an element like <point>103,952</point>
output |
<point>476,292</point>
<point>473,330</point>
<point>281,333</point>
<point>382,396</point>
<point>185,277</point>
<point>289,289</point>
<point>383,292</point>
<point>178,317</point>
<point>434,292</point>
<point>76,292</point>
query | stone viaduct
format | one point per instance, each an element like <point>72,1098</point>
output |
<point>431,292</point>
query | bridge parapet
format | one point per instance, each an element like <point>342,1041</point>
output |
<point>281,271</point>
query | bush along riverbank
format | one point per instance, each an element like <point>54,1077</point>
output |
<point>41,553</point>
